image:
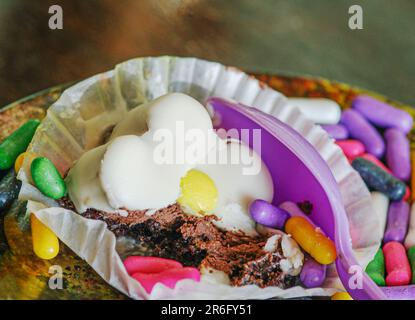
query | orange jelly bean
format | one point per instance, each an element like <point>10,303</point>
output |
<point>312,240</point>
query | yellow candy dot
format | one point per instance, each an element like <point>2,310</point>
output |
<point>199,192</point>
<point>19,162</point>
<point>45,242</point>
<point>341,296</point>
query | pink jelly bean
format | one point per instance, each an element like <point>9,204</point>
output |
<point>351,148</point>
<point>142,264</point>
<point>397,265</point>
<point>168,277</point>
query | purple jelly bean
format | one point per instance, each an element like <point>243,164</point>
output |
<point>268,215</point>
<point>398,153</point>
<point>383,115</point>
<point>313,274</point>
<point>363,131</point>
<point>398,219</point>
<point>336,131</point>
<point>400,292</point>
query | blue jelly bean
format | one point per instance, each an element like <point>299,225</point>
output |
<point>379,180</point>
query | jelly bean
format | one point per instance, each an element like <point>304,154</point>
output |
<point>319,110</point>
<point>411,257</point>
<point>397,154</point>
<point>294,211</point>
<point>363,131</point>
<point>376,161</point>
<point>45,242</point>
<point>380,205</point>
<point>312,240</point>
<point>381,114</point>
<point>47,178</point>
<point>351,148</point>
<point>399,292</point>
<point>268,215</point>
<point>142,264</point>
<point>397,264</point>
<point>398,219</point>
<point>313,274</point>
<point>379,180</point>
<point>19,162</point>
<point>341,296</point>
<point>198,192</point>
<point>413,175</point>
<point>9,190</point>
<point>407,194</point>
<point>16,143</point>
<point>376,268</point>
<point>168,277</point>
<point>336,131</point>
<point>410,237</point>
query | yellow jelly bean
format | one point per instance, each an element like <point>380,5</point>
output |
<point>341,296</point>
<point>45,242</point>
<point>19,162</point>
<point>312,240</point>
<point>198,192</point>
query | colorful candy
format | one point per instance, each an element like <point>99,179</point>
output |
<point>149,271</point>
<point>319,110</point>
<point>198,192</point>
<point>45,242</point>
<point>268,215</point>
<point>19,162</point>
<point>413,175</point>
<point>16,143</point>
<point>363,131</point>
<point>9,190</point>
<point>376,268</point>
<point>336,131</point>
<point>397,154</point>
<point>47,178</point>
<point>380,205</point>
<point>410,236</point>
<point>399,292</point>
<point>143,264</point>
<point>294,211</point>
<point>383,115</point>
<point>351,148</point>
<point>376,161</point>
<point>411,257</point>
<point>341,296</point>
<point>398,219</point>
<point>168,277</point>
<point>379,180</point>
<point>397,265</point>
<point>312,240</point>
<point>313,274</point>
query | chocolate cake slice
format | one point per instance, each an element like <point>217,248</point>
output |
<point>197,242</point>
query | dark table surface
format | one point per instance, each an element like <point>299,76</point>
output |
<point>296,36</point>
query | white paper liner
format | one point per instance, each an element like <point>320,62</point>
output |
<point>81,117</point>
<point>93,242</point>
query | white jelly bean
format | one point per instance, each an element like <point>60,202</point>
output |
<point>381,205</point>
<point>410,237</point>
<point>319,110</point>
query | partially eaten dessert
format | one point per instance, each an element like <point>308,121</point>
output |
<point>181,190</point>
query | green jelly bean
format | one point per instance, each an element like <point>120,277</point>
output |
<point>411,257</point>
<point>16,143</point>
<point>376,268</point>
<point>47,178</point>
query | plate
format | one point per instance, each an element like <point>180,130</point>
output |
<point>24,276</point>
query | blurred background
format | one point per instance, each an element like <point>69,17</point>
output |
<point>272,36</point>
